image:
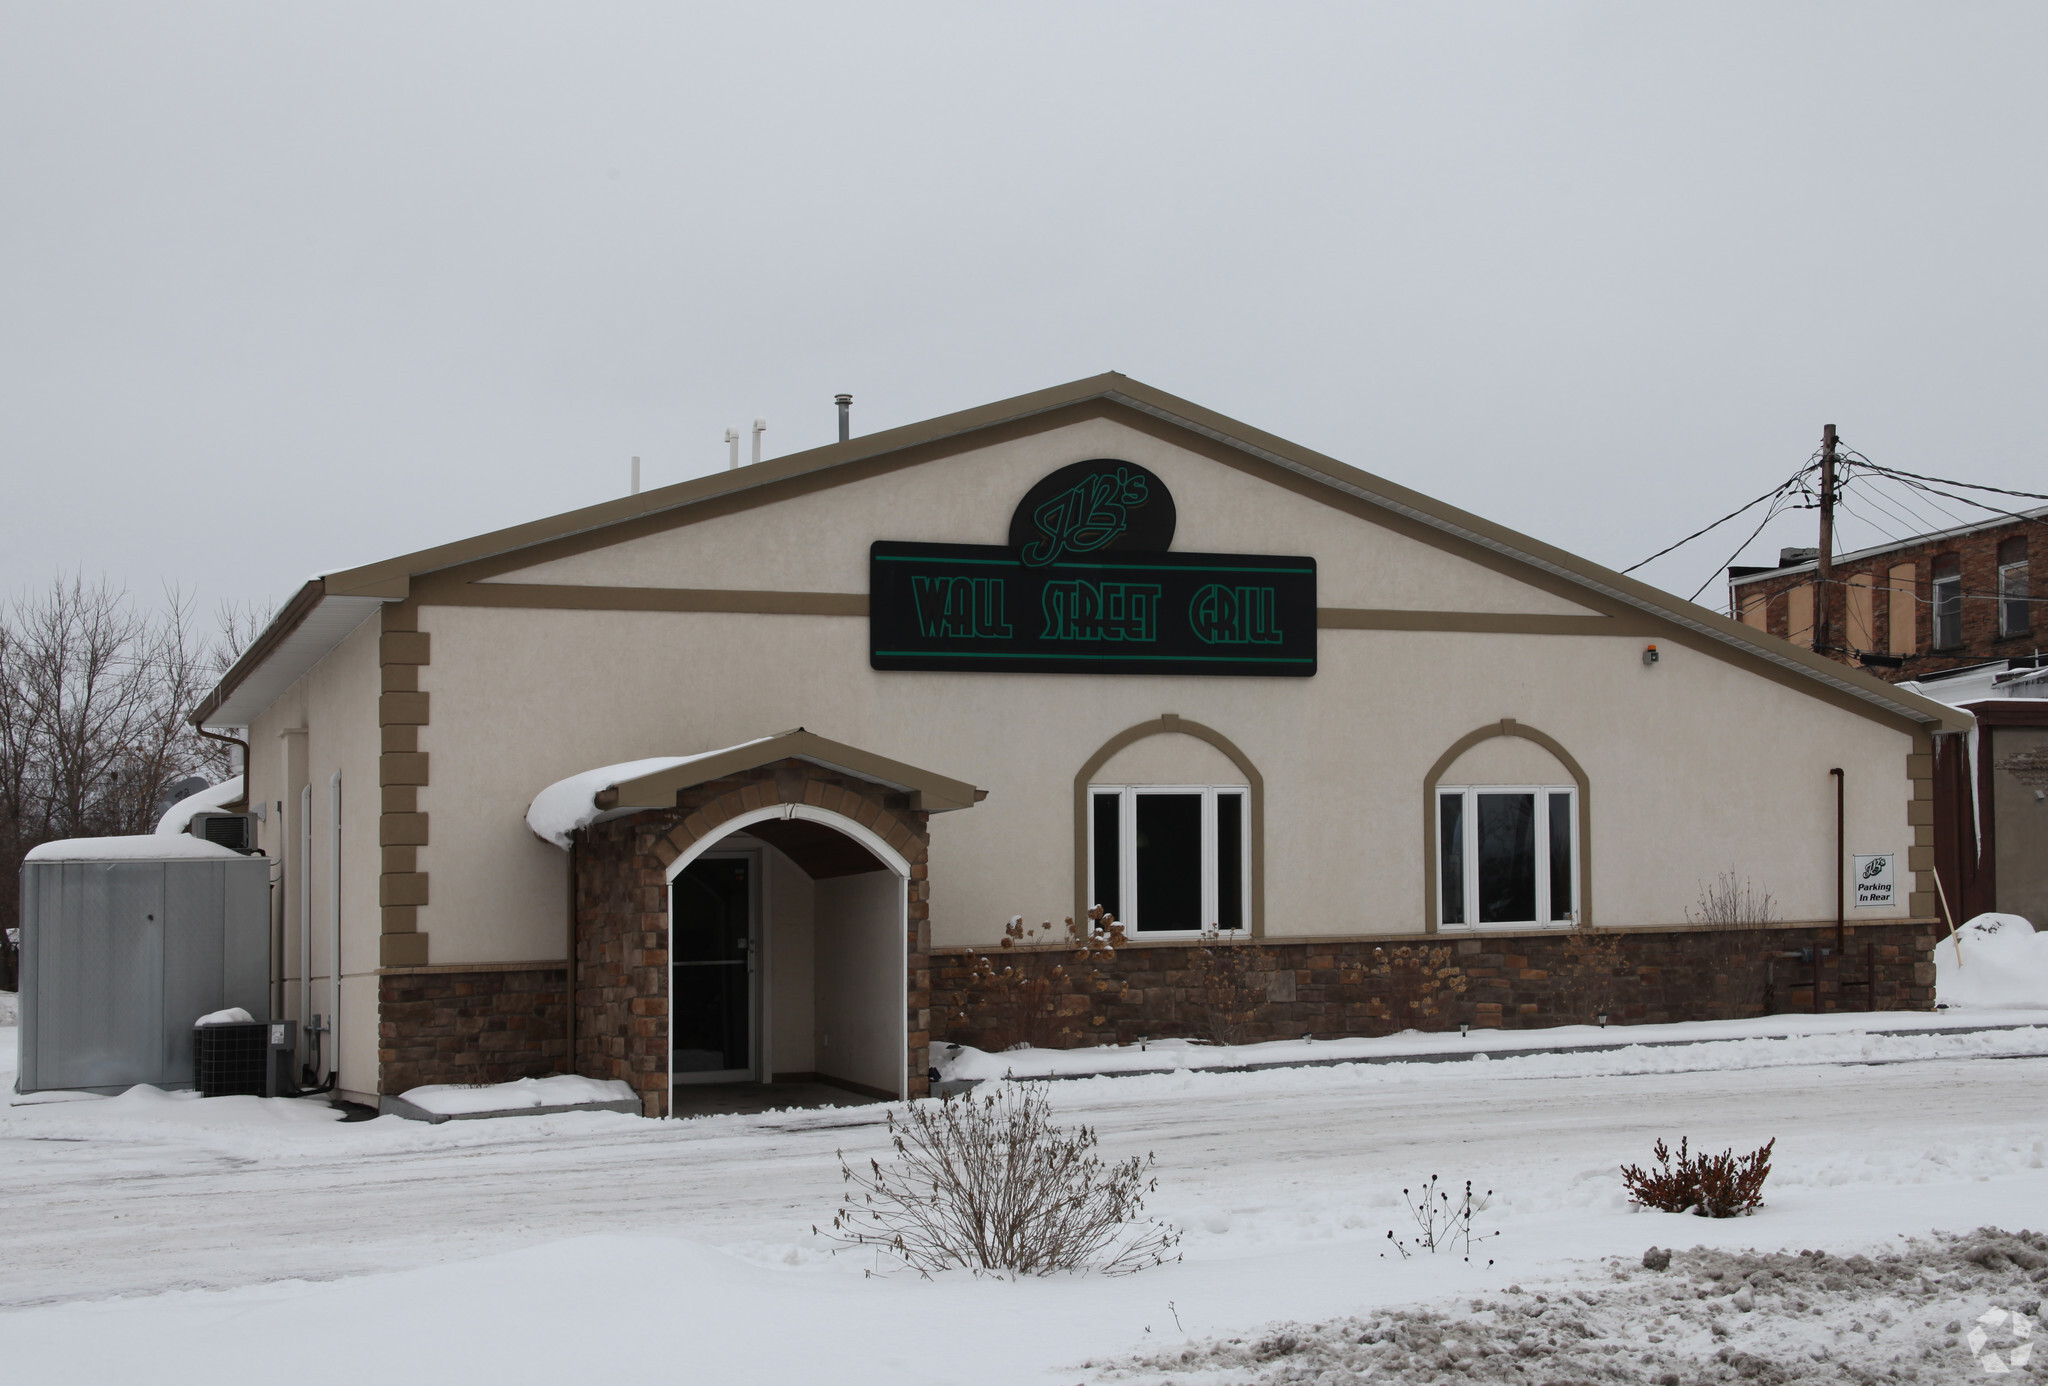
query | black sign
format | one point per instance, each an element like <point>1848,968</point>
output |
<point>1098,506</point>
<point>990,609</point>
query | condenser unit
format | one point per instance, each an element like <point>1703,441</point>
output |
<point>235,831</point>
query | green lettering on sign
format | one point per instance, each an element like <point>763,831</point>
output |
<point>1223,615</point>
<point>971,608</point>
<point>1081,610</point>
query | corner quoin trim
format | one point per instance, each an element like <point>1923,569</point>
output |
<point>1506,726</point>
<point>1165,724</point>
<point>402,771</point>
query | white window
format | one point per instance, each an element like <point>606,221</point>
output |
<point>1507,856</point>
<point>1170,859</point>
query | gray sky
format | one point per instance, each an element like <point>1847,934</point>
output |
<point>287,288</point>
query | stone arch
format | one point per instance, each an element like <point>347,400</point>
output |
<point>1507,726</point>
<point>1173,724</point>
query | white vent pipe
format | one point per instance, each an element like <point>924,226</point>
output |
<point>760,427</point>
<point>732,444</point>
<point>636,476</point>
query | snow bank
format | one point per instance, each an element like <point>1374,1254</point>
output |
<point>567,805</point>
<point>179,815</point>
<point>2002,964</point>
<point>562,1090</point>
<point>964,1062</point>
<point>233,1015</point>
<point>147,847</point>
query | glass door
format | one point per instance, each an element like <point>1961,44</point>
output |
<point>712,954</point>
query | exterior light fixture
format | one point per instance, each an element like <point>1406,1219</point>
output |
<point>1464,1029</point>
<point>1649,654</point>
<point>1603,1020</point>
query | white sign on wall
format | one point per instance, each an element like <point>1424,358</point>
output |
<point>1874,881</point>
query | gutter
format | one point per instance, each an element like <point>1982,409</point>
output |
<point>288,619</point>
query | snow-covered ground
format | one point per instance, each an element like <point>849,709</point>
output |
<point>163,1236</point>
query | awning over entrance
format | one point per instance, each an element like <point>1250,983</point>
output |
<point>612,791</point>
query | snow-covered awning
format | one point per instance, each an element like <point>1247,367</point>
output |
<point>178,816</point>
<point>612,791</point>
<point>146,847</point>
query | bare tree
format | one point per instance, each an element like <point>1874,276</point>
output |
<point>94,695</point>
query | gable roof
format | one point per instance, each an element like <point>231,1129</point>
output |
<point>306,629</point>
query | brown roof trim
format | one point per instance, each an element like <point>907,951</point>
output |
<point>392,578</point>
<point>928,792</point>
<point>2009,712</point>
<point>287,620</point>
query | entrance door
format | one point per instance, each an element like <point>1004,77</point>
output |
<point>711,979</point>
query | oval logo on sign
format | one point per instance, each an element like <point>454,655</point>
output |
<point>1092,507</point>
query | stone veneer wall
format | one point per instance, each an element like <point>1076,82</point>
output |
<point>1341,988</point>
<point>490,1025</point>
<point>622,914</point>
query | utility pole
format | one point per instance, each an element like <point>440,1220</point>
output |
<point>1823,636</point>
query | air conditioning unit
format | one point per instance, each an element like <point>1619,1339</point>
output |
<point>236,831</point>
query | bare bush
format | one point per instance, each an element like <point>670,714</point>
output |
<point>1712,1186</point>
<point>1727,905</point>
<point>1037,1003</point>
<point>1442,1223</point>
<point>1234,976</point>
<point>990,1184</point>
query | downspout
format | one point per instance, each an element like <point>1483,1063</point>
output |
<point>334,919</point>
<point>312,1036</point>
<point>1840,844</point>
<point>245,800</point>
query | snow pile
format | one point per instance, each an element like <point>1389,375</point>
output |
<point>10,1008</point>
<point>1831,1038</point>
<point>2002,964</point>
<point>146,847</point>
<point>233,1015</point>
<point>179,815</point>
<point>562,1090</point>
<point>1936,1308</point>
<point>558,811</point>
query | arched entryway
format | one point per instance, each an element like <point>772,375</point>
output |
<point>800,933</point>
<point>789,956</point>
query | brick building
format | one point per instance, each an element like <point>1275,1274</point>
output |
<point>1903,611</point>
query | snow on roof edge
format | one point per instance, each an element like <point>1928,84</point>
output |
<point>568,805</point>
<point>142,847</point>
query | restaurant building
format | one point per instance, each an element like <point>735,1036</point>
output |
<point>746,779</point>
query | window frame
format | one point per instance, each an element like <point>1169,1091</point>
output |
<point>1468,818</point>
<point>1945,607</point>
<point>2011,603</point>
<point>1131,909</point>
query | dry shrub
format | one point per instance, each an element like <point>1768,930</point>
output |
<point>1038,1003</point>
<point>990,1184</point>
<point>1234,975</point>
<point>1727,905</point>
<point>1440,1223</point>
<point>1712,1186</point>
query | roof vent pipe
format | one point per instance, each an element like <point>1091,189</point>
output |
<point>732,446</point>
<point>760,427</point>
<point>636,476</point>
<point>845,403</point>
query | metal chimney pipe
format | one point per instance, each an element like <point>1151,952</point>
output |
<point>845,403</point>
<point>636,476</point>
<point>760,427</point>
<point>732,445</point>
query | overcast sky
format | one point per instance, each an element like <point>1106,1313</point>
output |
<point>286,288</point>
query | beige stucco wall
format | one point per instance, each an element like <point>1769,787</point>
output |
<point>860,979</point>
<point>796,545</point>
<point>336,705</point>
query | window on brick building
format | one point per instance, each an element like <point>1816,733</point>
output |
<point>1505,856</point>
<point>2014,612</point>
<point>1170,858</point>
<point>1947,601</point>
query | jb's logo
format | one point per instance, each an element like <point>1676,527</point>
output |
<point>1089,515</point>
<point>1092,507</point>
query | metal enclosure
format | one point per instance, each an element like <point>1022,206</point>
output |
<point>119,958</point>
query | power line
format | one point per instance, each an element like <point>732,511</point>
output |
<point>1769,515</point>
<point>1771,494</point>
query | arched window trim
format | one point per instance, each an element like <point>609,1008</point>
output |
<point>1507,726</point>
